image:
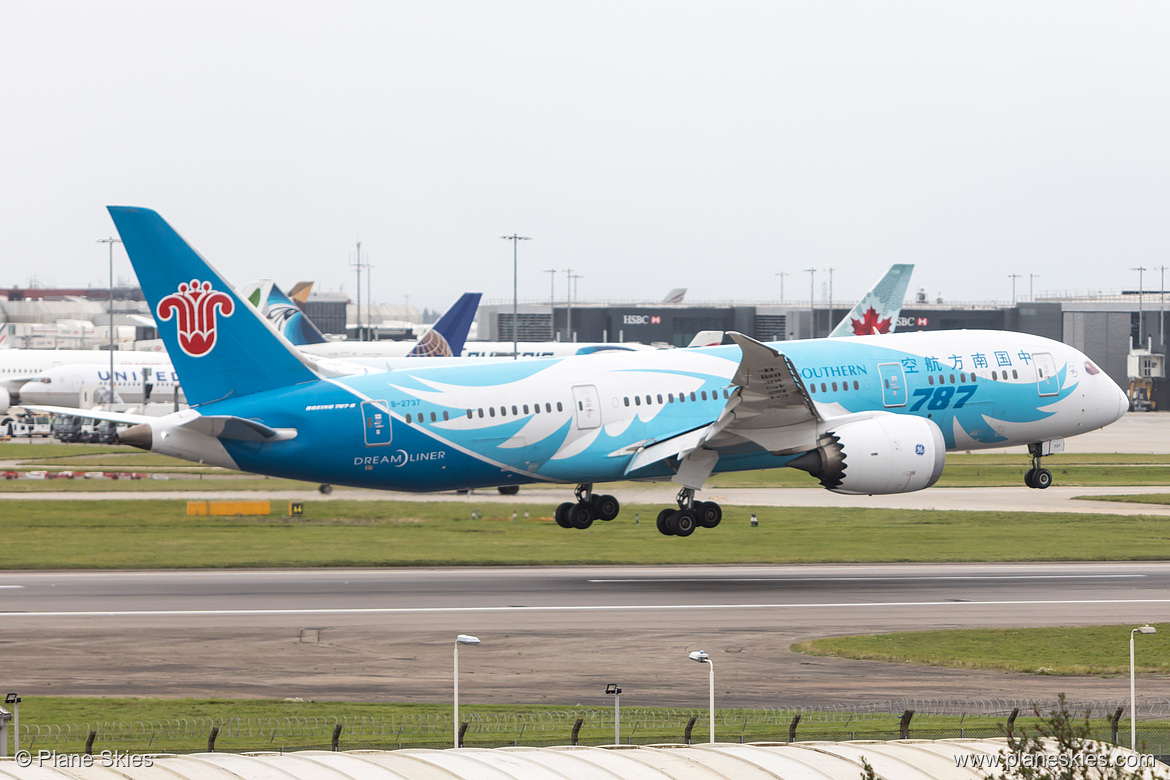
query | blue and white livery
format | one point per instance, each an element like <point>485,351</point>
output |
<point>865,415</point>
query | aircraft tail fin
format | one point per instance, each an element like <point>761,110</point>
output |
<point>283,312</point>
<point>447,336</point>
<point>301,291</point>
<point>878,310</point>
<point>220,346</point>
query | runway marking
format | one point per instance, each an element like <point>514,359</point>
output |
<point>580,608</point>
<point>920,578</point>
<point>10,587</point>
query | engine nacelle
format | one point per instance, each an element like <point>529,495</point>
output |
<point>5,400</point>
<point>880,454</point>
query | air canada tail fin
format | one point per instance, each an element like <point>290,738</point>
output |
<point>447,336</point>
<point>220,346</point>
<point>283,312</point>
<point>878,310</point>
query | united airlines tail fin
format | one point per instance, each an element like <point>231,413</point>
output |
<point>447,336</point>
<point>878,310</point>
<point>220,346</point>
<point>283,312</point>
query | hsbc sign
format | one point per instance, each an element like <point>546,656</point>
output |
<point>641,319</point>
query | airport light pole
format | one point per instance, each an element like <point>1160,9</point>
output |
<point>812,298</point>
<point>357,264</point>
<point>703,658</point>
<point>552,302</point>
<point>1162,305</point>
<point>14,700</point>
<point>781,274</point>
<point>830,270</point>
<point>570,293</point>
<point>1146,629</point>
<point>1141,269</point>
<point>111,241</point>
<point>1032,286</point>
<point>615,690</point>
<point>1013,277</point>
<point>462,639</point>
<point>515,239</point>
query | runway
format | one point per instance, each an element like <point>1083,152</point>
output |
<point>549,635</point>
<point>559,635</point>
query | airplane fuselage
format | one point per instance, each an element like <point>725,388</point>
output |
<point>585,419</point>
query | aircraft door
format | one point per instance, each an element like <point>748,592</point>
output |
<point>376,422</point>
<point>1046,380</point>
<point>893,384</point>
<point>588,411</point>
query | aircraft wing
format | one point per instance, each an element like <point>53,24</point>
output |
<point>769,408</point>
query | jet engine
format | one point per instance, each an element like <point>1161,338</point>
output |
<point>879,454</point>
<point>5,399</point>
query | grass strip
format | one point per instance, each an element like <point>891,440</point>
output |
<point>173,483</point>
<point>153,533</point>
<point>1138,498</point>
<point>182,725</point>
<point>1098,651</point>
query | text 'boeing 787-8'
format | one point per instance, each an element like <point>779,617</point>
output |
<point>865,415</point>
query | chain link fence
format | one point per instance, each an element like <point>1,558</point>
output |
<point>895,719</point>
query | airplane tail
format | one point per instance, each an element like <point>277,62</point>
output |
<point>283,312</point>
<point>878,310</point>
<point>220,346</point>
<point>447,336</point>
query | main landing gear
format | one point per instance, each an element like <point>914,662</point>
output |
<point>690,515</point>
<point>589,507</point>
<point>1037,477</point>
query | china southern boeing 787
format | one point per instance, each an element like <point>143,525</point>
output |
<point>870,414</point>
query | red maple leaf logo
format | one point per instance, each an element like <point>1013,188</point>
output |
<point>870,324</point>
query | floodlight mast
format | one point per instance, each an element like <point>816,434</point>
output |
<point>462,639</point>
<point>703,658</point>
<point>1146,629</point>
<point>515,238</point>
<point>615,690</point>
<point>14,700</point>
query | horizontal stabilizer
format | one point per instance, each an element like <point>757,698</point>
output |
<point>93,414</point>
<point>237,428</point>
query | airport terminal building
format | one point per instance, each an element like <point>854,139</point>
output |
<point>1103,327</point>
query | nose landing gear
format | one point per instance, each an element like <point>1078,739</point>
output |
<point>1037,477</point>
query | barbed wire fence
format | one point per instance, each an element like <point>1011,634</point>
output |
<point>894,719</point>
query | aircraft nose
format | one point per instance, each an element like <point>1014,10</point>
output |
<point>1122,402</point>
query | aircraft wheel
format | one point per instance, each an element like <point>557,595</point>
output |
<point>562,515</point>
<point>684,521</point>
<point>508,490</point>
<point>606,507</point>
<point>709,513</point>
<point>663,525</point>
<point>1029,476</point>
<point>324,489</point>
<point>1042,478</point>
<point>580,515</point>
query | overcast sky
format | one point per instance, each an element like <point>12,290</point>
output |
<point>646,145</point>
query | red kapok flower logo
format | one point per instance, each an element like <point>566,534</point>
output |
<point>193,307</point>
<point>869,324</point>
